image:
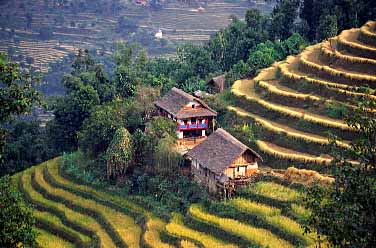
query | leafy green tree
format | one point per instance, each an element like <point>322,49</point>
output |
<point>17,94</point>
<point>161,127</point>
<point>69,116</point>
<point>119,154</point>
<point>128,72</point>
<point>345,211</point>
<point>327,27</point>
<point>26,145</point>
<point>16,218</point>
<point>254,19</point>
<point>197,58</point>
<point>166,158</point>
<point>98,130</point>
<point>283,18</point>
<point>84,62</point>
<point>263,56</point>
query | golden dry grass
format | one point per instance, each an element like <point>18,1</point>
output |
<point>287,154</point>
<point>187,244</point>
<point>154,225</point>
<point>48,240</point>
<point>313,51</point>
<point>255,235</point>
<point>152,234</point>
<point>39,215</point>
<point>307,177</point>
<point>245,88</point>
<point>272,216</point>
<point>328,50</point>
<point>80,219</point>
<point>348,38</point>
<point>124,225</point>
<point>177,228</point>
<point>281,129</point>
<point>340,88</point>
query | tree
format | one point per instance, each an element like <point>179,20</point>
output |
<point>327,27</point>
<point>16,218</point>
<point>83,62</point>
<point>166,158</point>
<point>98,130</point>
<point>17,94</point>
<point>254,19</point>
<point>70,113</point>
<point>119,154</point>
<point>283,18</point>
<point>25,146</point>
<point>345,211</point>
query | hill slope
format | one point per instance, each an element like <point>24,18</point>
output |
<point>73,215</point>
<point>296,102</point>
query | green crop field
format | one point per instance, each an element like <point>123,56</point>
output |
<point>74,215</point>
<point>297,102</point>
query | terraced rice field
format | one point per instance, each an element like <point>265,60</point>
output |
<point>74,215</point>
<point>42,52</point>
<point>179,21</point>
<point>291,100</point>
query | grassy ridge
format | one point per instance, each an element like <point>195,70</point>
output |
<point>77,221</point>
<point>307,96</point>
<point>45,187</point>
<point>154,226</point>
<point>177,228</point>
<point>48,240</point>
<point>255,235</point>
<point>119,226</point>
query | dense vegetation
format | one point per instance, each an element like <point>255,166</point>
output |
<point>104,128</point>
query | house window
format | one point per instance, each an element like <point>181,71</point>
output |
<point>238,168</point>
<point>193,106</point>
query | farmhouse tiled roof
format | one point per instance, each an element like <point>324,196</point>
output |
<point>174,101</point>
<point>218,151</point>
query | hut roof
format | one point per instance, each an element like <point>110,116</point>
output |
<point>218,81</point>
<point>174,101</point>
<point>218,151</point>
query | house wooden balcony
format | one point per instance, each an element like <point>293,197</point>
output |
<point>193,126</point>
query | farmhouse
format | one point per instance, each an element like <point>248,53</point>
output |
<point>222,163</point>
<point>191,114</point>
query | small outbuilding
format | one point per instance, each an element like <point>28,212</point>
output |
<point>222,163</point>
<point>216,84</point>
